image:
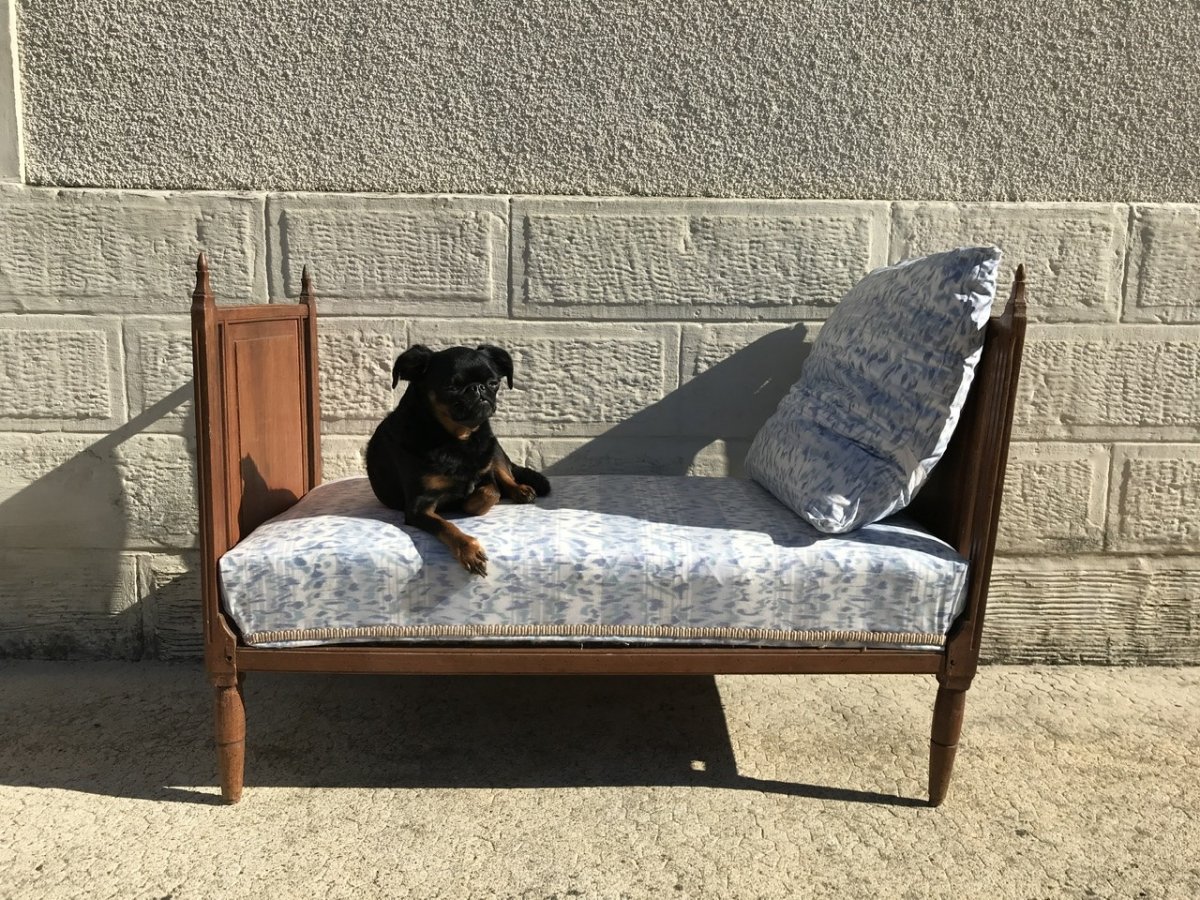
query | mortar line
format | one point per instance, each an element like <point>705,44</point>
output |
<point>1110,486</point>
<point>126,376</point>
<point>509,268</point>
<point>276,255</point>
<point>268,254</point>
<point>889,228</point>
<point>1130,219</point>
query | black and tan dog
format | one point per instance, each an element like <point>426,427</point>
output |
<point>436,451</point>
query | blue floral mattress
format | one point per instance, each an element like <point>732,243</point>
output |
<point>603,559</point>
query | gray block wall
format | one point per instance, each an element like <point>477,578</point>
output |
<point>516,136</point>
<point>647,338</point>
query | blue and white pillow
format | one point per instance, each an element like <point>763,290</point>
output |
<point>878,399</point>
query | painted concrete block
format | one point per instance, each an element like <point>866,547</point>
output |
<point>60,491</point>
<point>66,606</point>
<point>688,259</point>
<point>159,498</point>
<point>734,375</point>
<point>356,357</point>
<point>576,378</point>
<point>1108,610</point>
<point>343,456</point>
<point>158,354</point>
<point>172,617</point>
<point>116,491</point>
<point>1164,256</point>
<point>734,453</point>
<point>791,99</point>
<point>1127,383</point>
<point>1054,499</point>
<point>62,372</point>
<point>1155,500</point>
<point>1074,253</point>
<point>126,251</point>
<point>370,253</point>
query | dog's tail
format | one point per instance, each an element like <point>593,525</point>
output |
<point>536,480</point>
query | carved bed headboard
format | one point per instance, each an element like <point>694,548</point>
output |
<point>258,415</point>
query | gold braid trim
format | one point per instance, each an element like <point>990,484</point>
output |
<point>671,632</point>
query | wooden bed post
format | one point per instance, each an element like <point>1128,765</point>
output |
<point>258,443</point>
<point>220,645</point>
<point>943,740</point>
<point>311,380</point>
<point>231,740</point>
<point>975,515</point>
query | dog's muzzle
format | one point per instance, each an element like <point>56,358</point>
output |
<point>478,405</point>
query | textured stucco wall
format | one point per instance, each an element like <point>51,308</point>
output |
<point>876,99</point>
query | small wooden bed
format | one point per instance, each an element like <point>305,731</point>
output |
<point>259,453</point>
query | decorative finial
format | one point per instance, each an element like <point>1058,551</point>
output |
<point>202,295</point>
<point>1018,299</point>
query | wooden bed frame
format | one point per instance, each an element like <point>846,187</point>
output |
<point>259,451</point>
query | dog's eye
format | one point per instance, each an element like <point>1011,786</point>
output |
<point>494,383</point>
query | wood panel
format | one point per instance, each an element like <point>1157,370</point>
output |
<point>266,455</point>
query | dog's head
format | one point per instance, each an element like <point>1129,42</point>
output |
<point>461,384</point>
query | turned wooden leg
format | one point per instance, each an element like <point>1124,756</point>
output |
<point>231,740</point>
<point>943,740</point>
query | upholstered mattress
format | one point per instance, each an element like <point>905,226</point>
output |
<point>608,559</point>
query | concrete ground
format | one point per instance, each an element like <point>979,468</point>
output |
<point>1071,782</point>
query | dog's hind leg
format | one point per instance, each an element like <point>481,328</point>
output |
<point>481,500</point>
<point>381,472</point>
<point>536,480</point>
<point>517,483</point>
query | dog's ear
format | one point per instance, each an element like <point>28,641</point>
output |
<point>500,359</point>
<point>411,364</point>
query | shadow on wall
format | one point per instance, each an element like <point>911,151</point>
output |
<point>86,573</point>
<point>727,403</point>
<point>259,501</point>
<point>78,580</point>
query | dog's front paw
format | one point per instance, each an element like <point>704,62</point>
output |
<point>472,556</point>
